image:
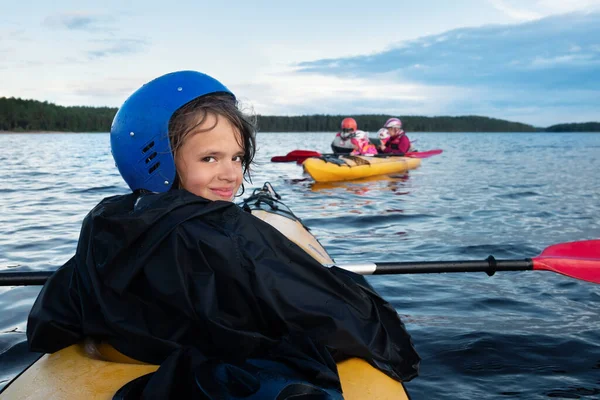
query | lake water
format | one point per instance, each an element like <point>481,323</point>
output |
<point>524,335</point>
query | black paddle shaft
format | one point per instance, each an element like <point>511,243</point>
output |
<point>490,265</point>
<point>15,278</point>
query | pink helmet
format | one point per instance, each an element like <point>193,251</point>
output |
<point>393,123</point>
<point>383,133</point>
<point>361,135</point>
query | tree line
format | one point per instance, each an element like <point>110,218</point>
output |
<point>580,127</point>
<point>19,115</point>
<point>371,123</point>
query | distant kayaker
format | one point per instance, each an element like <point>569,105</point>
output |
<point>362,145</point>
<point>176,274</point>
<point>342,142</point>
<point>398,142</point>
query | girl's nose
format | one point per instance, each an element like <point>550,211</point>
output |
<point>228,170</point>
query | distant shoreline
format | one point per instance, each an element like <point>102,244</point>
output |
<point>32,116</point>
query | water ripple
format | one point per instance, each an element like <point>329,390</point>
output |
<point>527,335</point>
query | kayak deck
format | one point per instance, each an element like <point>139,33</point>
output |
<point>96,371</point>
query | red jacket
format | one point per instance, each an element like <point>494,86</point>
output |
<point>397,144</point>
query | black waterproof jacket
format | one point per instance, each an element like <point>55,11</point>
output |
<point>177,280</point>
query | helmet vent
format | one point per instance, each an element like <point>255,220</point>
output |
<point>153,168</point>
<point>151,157</point>
<point>148,147</point>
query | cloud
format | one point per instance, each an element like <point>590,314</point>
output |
<point>9,60</point>
<point>540,72</point>
<point>555,52</point>
<point>10,41</point>
<point>118,47</point>
<point>294,94</point>
<point>100,25</point>
<point>83,90</point>
<point>6,51</point>
<point>530,10</point>
<point>79,21</point>
<point>109,89</point>
<point>514,11</point>
<point>14,35</point>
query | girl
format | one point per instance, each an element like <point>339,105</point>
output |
<point>176,274</point>
<point>362,145</point>
<point>398,143</point>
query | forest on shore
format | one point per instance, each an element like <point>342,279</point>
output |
<point>20,115</point>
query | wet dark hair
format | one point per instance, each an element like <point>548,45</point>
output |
<point>189,117</point>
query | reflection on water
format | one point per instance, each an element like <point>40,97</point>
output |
<point>364,185</point>
<point>360,190</point>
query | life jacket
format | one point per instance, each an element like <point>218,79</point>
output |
<point>397,144</point>
<point>365,147</point>
<point>342,139</point>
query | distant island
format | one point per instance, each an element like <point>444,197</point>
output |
<point>20,115</point>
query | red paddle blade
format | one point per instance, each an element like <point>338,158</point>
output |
<point>580,260</point>
<point>280,159</point>
<point>424,154</point>
<point>296,155</point>
<point>303,153</point>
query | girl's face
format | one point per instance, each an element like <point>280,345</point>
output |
<point>394,131</point>
<point>209,163</point>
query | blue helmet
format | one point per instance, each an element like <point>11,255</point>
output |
<point>139,135</point>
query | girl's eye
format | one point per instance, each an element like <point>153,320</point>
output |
<point>209,159</point>
<point>237,158</point>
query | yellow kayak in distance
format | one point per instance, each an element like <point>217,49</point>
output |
<point>345,168</point>
<point>94,370</point>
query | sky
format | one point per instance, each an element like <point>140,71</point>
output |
<point>530,61</point>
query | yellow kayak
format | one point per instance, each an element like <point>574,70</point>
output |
<point>95,370</point>
<point>345,168</point>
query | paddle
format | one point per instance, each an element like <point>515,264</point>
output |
<point>424,154</point>
<point>579,260</point>
<point>300,155</point>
